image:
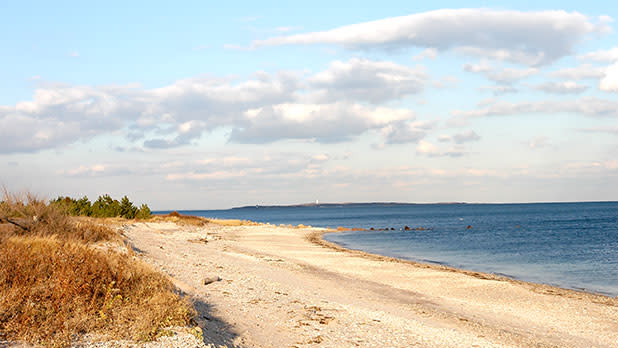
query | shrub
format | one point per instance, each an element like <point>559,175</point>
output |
<point>54,286</point>
<point>104,206</point>
<point>37,218</point>
<point>127,209</point>
<point>53,289</point>
<point>143,212</point>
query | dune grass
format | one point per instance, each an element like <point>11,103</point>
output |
<point>55,286</point>
<point>181,219</point>
<point>28,215</point>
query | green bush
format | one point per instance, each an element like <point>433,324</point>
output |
<point>104,206</point>
<point>143,212</point>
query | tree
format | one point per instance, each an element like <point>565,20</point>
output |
<point>81,207</point>
<point>104,206</point>
<point>143,212</point>
<point>127,209</point>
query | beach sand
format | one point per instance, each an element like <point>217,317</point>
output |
<point>286,287</point>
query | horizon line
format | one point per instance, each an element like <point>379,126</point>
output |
<point>384,203</point>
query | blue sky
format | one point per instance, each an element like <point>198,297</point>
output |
<point>203,105</point>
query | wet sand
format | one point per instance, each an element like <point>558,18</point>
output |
<point>287,287</point>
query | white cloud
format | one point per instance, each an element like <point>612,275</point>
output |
<point>460,138</point>
<point>606,56</point>
<point>231,167</point>
<point>500,89</point>
<point>326,123</point>
<point>582,72</point>
<point>365,80</point>
<point>588,106</point>
<point>60,115</point>
<point>566,87</point>
<point>481,67</point>
<point>510,75</point>
<point>428,149</point>
<point>465,137</point>
<point>502,76</point>
<point>91,170</point>
<point>325,107</point>
<point>609,82</point>
<point>320,157</point>
<point>403,132</point>
<point>531,38</point>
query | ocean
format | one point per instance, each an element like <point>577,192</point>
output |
<point>570,245</point>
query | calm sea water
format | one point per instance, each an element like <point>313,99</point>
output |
<point>571,245</point>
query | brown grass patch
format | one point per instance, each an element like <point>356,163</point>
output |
<point>180,219</point>
<point>55,286</point>
<point>234,222</point>
<point>53,289</point>
<point>31,216</point>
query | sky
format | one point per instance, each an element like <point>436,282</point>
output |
<point>210,105</point>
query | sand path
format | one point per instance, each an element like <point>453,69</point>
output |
<point>279,289</point>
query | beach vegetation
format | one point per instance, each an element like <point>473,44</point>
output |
<point>59,281</point>
<point>181,219</point>
<point>104,206</point>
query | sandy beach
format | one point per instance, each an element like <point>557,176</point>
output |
<point>286,287</point>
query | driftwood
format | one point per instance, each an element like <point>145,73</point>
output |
<point>25,228</point>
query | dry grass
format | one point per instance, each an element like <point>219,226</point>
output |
<point>199,221</point>
<point>54,286</point>
<point>37,218</point>
<point>180,219</point>
<point>234,222</point>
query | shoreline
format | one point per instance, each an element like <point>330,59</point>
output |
<point>317,237</point>
<point>575,267</point>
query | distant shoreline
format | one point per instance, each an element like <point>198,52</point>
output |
<point>301,205</point>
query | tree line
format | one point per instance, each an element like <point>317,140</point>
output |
<point>104,206</point>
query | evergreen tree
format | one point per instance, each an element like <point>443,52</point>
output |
<point>81,207</point>
<point>104,206</point>
<point>143,212</point>
<point>127,209</point>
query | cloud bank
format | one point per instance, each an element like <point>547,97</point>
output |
<point>333,105</point>
<point>589,106</point>
<point>529,38</point>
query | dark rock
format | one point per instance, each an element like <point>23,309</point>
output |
<point>212,279</point>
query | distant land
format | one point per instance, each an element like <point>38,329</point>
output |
<point>313,204</point>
